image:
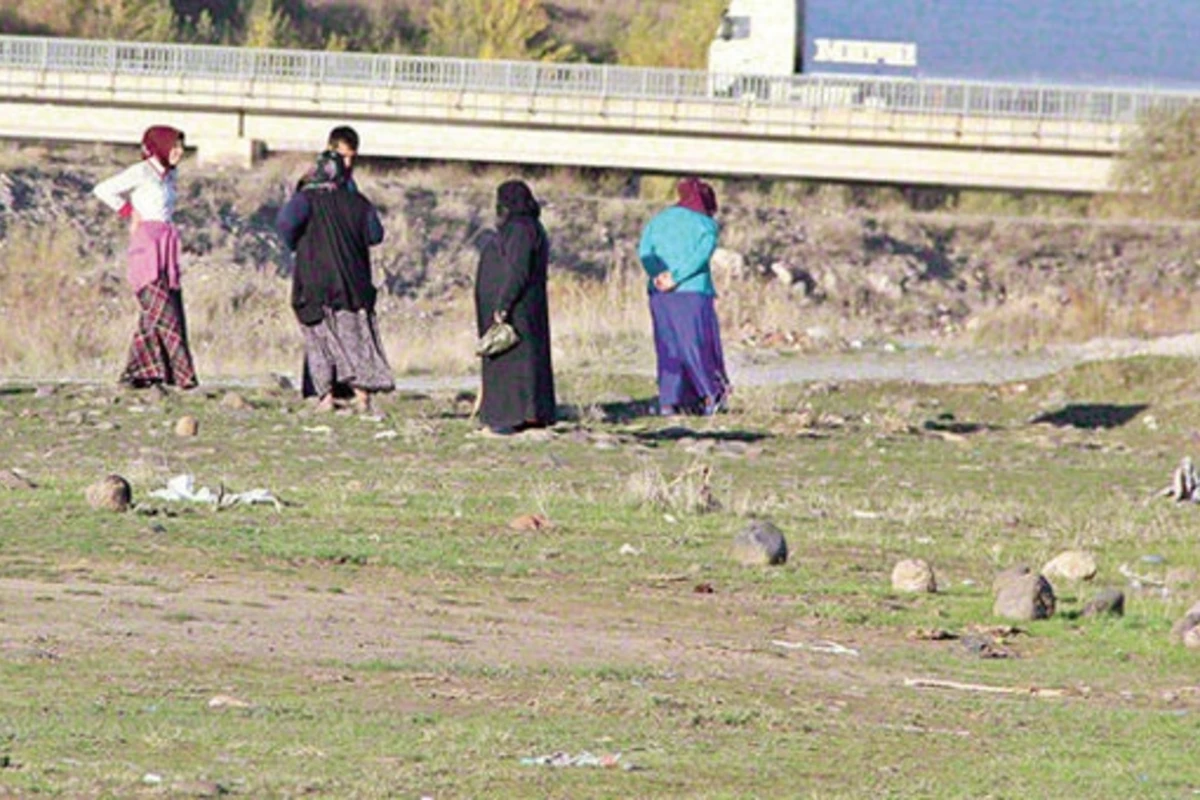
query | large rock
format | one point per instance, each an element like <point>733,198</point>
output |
<point>111,494</point>
<point>1187,625</point>
<point>760,544</point>
<point>913,575</point>
<point>1073,565</point>
<point>1025,598</point>
<point>1110,602</point>
<point>1015,571</point>
<point>234,402</point>
<point>187,427</point>
<point>1191,638</point>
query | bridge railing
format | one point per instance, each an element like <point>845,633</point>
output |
<point>921,96</point>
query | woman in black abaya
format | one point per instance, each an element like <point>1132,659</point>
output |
<point>518,384</point>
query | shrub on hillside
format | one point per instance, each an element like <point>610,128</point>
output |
<point>1161,163</point>
<point>267,25</point>
<point>493,29</point>
<point>137,20</point>
<point>680,39</point>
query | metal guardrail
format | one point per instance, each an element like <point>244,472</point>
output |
<point>971,99</point>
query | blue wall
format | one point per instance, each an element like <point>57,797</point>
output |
<point>1097,42</point>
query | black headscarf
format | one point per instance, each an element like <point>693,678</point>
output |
<point>515,199</point>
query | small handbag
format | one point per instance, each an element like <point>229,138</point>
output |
<point>499,338</point>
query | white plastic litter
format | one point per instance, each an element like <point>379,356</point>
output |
<point>183,488</point>
<point>832,648</point>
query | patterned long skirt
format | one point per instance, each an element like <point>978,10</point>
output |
<point>344,350</point>
<point>159,352</point>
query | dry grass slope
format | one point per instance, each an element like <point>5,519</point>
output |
<point>817,269</point>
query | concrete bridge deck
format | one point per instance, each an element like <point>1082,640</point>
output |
<point>806,129</point>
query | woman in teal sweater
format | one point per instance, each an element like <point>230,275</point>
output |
<point>675,250</point>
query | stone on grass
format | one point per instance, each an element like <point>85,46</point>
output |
<point>187,427</point>
<point>1191,638</point>
<point>111,494</point>
<point>1190,622</point>
<point>234,402</point>
<point>760,544</point>
<point>1015,571</point>
<point>1025,598</point>
<point>15,480</point>
<point>1073,565</point>
<point>913,575</point>
<point>1110,602</point>
<point>530,522</point>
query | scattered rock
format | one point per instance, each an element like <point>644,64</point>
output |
<point>530,522</point>
<point>1189,623</point>
<point>1110,602</point>
<point>1015,571</point>
<point>1027,597</point>
<point>111,494</point>
<point>783,273</point>
<point>15,480</point>
<point>1181,577</point>
<point>704,588</point>
<point>1184,481</point>
<point>913,575</point>
<point>234,402</point>
<point>45,391</point>
<point>1073,565</point>
<point>187,427</point>
<point>760,544</point>
<point>629,550</point>
<point>985,646</point>
<point>1191,638</point>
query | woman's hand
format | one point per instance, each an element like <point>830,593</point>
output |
<point>135,219</point>
<point>499,317</point>
<point>663,282</point>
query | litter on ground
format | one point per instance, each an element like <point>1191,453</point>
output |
<point>183,488</point>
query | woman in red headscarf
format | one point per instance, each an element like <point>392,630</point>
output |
<point>676,246</point>
<point>145,194</point>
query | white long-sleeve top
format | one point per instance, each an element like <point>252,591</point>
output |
<point>144,186</point>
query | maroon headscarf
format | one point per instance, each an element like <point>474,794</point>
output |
<point>157,143</point>
<point>697,195</point>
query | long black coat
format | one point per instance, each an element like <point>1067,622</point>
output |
<point>332,233</point>
<point>518,385</point>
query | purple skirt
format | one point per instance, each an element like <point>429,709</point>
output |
<point>687,338</point>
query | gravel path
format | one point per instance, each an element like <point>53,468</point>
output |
<point>918,365</point>
<point>955,366</point>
